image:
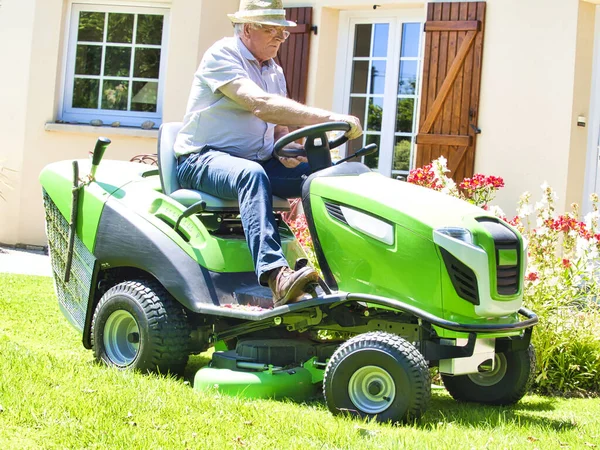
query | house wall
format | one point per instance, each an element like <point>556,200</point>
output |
<point>30,89</point>
<point>536,76</point>
<point>535,81</point>
<point>584,58</point>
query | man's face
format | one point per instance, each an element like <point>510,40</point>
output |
<point>264,41</point>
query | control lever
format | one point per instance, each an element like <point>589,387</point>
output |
<point>196,208</point>
<point>365,151</point>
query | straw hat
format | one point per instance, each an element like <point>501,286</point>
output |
<point>264,12</point>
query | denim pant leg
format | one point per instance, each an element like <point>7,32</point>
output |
<point>228,177</point>
<point>285,183</point>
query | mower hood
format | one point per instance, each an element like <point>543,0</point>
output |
<point>417,208</point>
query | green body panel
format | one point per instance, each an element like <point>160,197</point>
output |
<point>57,180</point>
<point>218,254</point>
<point>411,269</point>
<point>296,383</point>
<point>124,181</point>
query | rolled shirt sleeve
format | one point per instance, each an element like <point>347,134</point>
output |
<point>220,68</point>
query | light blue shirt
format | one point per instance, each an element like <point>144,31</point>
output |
<point>214,119</point>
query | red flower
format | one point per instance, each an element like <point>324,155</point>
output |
<point>532,276</point>
<point>566,263</point>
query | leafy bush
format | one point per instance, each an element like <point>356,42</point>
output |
<point>561,282</point>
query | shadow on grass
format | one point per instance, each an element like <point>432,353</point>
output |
<point>444,409</point>
<point>195,363</point>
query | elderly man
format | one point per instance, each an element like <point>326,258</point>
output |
<point>237,109</point>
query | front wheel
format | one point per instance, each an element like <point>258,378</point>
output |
<point>377,375</point>
<point>138,325</point>
<point>506,384</point>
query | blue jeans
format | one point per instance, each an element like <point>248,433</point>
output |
<point>253,184</point>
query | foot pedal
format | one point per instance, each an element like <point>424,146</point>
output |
<point>311,289</point>
<point>324,286</point>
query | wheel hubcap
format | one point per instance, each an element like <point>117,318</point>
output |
<point>493,376</point>
<point>371,389</point>
<point>121,338</point>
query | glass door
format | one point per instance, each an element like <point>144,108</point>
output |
<point>382,89</point>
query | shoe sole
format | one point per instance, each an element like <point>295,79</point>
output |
<point>296,290</point>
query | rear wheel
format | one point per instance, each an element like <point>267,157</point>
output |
<point>377,375</point>
<point>138,325</point>
<point>506,384</point>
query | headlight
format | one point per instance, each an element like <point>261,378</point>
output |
<point>461,234</point>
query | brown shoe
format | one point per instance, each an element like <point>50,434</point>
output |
<point>288,285</point>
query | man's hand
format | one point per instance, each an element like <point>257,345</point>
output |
<point>355,128</point>
<point>290,163</point>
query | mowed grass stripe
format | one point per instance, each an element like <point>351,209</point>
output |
<point>54,396</point>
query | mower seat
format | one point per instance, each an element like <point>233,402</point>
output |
<point>167,165</point>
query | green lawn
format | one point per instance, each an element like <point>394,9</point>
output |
<point>52,395</point>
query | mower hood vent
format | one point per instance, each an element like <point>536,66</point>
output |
<point>335,211</point>
<point>462,277</point>
<point>505,242</point>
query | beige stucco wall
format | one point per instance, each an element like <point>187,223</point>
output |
<point>30,93</point>
<point>584,58</point>
<point>527,96</point>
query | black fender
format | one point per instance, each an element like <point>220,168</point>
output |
<point>125,239</point>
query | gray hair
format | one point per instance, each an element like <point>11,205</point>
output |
<point>238,28</point>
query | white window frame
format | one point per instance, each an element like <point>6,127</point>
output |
<point>127,118</point>
<point>343,76</point>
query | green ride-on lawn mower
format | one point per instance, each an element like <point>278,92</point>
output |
<point>150,273</point>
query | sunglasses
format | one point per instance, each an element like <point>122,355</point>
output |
<point>274,31</point>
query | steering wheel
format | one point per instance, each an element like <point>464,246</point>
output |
<point>316,139</point>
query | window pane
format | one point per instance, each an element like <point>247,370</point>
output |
<point>149,29</point>
<point>88,60</point>
<point>411,34</point>
<point>357,107</point>
<point>120,28</point>
<point>91,26</point>
<point>360,74</point>
<point>114,94</point>
<point>85,94</point>
<point>408,77</point>
<point>362,40</point>
<point>144,96</point>
<point>378,77</point>
<point>375,114</point>
<point>118,61</point>
<point>354,145</point>
<point>372,160</point>
<point>404,116</point>
<point>147,62</point>
<point>380,41</point>
<point>402,153</point>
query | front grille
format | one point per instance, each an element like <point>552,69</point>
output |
<point>507,282</point>
<point>336,212</point>
<point>462,277</point>
<point>507,276</point>
<point>72,296</point>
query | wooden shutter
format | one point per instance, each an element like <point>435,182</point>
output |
<point>451,83</point>
<point>293,53</point>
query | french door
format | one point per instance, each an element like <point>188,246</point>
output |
<point>378,78</point>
